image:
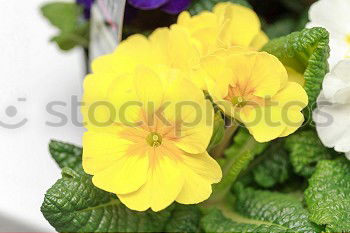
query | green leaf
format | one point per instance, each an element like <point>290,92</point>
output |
<point>273,169</point>
<point>66,155</point>
<point>67,18</point>
<point>218,131</point>
<point>215,221</point>
<point>63,15</point>
<point>198,6</point>
<point>185,218</point>
<point>306,150</point>
<point>74,204</point>
<point>307,52</point>
<point>328,195</point>
<point>68,40</point>
<point>260,211</point>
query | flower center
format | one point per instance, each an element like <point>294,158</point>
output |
<point>238,101</point>
<point>154,139</point>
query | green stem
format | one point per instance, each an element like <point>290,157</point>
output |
<point>219,150</point>
<point>232,169</point>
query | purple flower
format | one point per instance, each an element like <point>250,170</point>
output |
<point>169,6</point>
<point>176,6</point>
<point>86,4</point>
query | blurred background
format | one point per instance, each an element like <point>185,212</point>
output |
<point>35,72</point>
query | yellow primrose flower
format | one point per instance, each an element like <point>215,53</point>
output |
<point>253,88</point>
<point>228,25</point>
<point>152,150</point>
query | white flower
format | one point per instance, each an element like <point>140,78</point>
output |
<point>333,15</point>
<point>332,116</point>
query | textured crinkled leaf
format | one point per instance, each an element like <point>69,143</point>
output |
<point>274,169</point>
<point>307,52</point>
<point>328,195</point>
<point>260,211</point>
<point>207,5</point>
<point>215,221</point>
<point>185,218</point>
<point>280,209</point>
<point>306,150</point>
<point>218,131</point>
<point>66,155</point>
<point>74,204</point>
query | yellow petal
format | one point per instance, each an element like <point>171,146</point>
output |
<point>183,50</point>
<point>261,73</point>
<point>97,110</point>
<point>221,75</point>
<point>259,41</point>
<point>243,24</point>
<point>123,97</point>
<point>129,54</point>
<point>183,18</point>
<point>200,171</point>
<point>292,96</point>
<point>160,40</point>
<point>96,86</point>
<point>267,69</point>
<point>149,89</point>
<point>203,20</point>
<point>193,114</point>
<point>124,176</point>
<point>208,39</point>
<point>264,123</point>
<point>199,77</point>
<point>105,64</point>
<point>294,120</point>
<point>203,27</point>
<point>291,99</point>
<point>164,182</point>
<point>101,150</point>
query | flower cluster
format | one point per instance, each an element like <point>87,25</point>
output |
<point>149,123</point>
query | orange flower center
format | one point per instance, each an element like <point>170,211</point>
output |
<point>240,98</point>
<point>154,139</point>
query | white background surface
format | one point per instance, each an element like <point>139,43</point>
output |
<point>35,69</point>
